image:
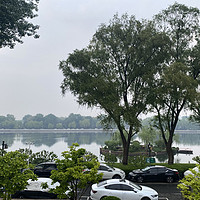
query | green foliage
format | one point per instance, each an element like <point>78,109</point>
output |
<point>138,161</point>
<point>148,134</point>
<point>12,178</point>
<point>135,146</point>
<point>15,21</point>
<point>113,72</point>
<point>112,145</point>
<point>159,145</point>
<point>197,159</point>
<point>176,85</point>
<point>110,198</point>
<point>49,122</point>
<point>110,158</point>
<point>190,185</point>
<point>75,171</point>
<point>38,157</point>
<point>37,122</point>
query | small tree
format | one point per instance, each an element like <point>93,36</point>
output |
<point>39,157</point>
<point>190,185</point>
<point>12,178</point>
<point>75,171</point>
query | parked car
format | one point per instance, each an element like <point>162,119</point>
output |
<point>187,172</point>
<point>34,190</point>
<point>44,169</point>
<point>123,189</point>
<point>111,172</point>
<point>154,173</point>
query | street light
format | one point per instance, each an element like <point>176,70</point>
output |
<point>4,146</point>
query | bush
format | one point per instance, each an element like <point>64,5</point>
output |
<point>135,146</point>
<point>110,158</point>
<point>112,145</point>
<point>137,161</point>
<point>111,198</point>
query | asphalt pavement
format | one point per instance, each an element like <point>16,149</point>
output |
<point>166,191</point>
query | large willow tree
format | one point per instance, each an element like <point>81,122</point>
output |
<point>176,86</point>
<point>113,72</point>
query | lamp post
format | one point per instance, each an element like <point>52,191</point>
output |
<point>149,149</point>
<point>4,146</point>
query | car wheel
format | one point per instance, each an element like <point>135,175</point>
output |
<point>140,179</point>
<point>145,198</point>
<point>170,179</point>
<point>116,176</point>
<point>21,197</point>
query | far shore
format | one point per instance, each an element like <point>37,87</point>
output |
<point>50,130</point>
<point>77,131</point>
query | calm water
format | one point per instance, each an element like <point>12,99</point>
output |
<point>59,141</point>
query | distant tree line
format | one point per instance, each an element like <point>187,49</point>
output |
<point>50,121</point>
<point>183,124</point>
<point>73,121</point>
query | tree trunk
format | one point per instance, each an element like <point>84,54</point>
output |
<point>170,154</point>
<point>125,154</point>
<point>126,145</point>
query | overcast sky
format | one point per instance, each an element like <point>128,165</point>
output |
<point>29,76</point>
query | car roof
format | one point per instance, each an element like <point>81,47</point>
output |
<point>103,164</point>
<point>45,163</point>
<point>158,166</point>
<point>117,181</point>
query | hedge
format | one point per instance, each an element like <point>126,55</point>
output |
<point>181,167</point>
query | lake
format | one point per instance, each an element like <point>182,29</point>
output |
<point>59,141</point>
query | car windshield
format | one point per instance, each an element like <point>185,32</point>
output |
<point>135,186</point>
<point>112,167</point>
<point>145,169</point>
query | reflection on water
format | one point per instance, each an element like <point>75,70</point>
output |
<point>56,142</point>
<point>91,140</point>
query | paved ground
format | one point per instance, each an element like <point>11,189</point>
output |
<point>166,190</point>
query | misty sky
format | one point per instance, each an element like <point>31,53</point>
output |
<point>29,76</point>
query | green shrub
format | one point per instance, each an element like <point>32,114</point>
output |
<point>135,146</point>
<point>112,145</point>
<point>137,161</point>
<point>111,198</point>
<point>110,158</point>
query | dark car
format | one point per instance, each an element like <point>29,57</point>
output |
<point>44,169</point>
<point>154,173</point>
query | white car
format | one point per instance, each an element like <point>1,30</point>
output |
<point>111,172</point>
<point>34,190</point>
<point>190,172</point>
<point>123,189</point>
